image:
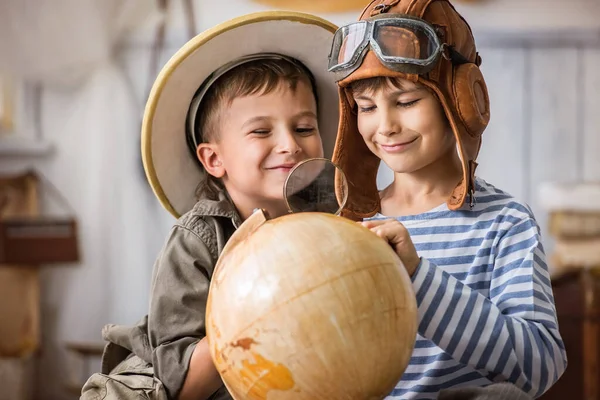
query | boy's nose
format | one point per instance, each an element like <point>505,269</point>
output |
<point>387,129</point>
<point>387,125</point>
<point>289,144</point>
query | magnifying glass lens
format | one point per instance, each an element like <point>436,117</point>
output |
<point>316,185</point>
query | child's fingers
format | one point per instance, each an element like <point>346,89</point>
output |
<point>376,222</point>
<point>387,223</point>
<point>394,233</point>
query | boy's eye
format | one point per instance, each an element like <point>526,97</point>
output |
<point>261,131</point>
<point>366,109</point>
<point>305,131</point>
<point>408,104</point>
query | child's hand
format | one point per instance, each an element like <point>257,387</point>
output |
<point>397,236</point>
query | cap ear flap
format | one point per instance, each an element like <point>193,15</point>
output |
<point>471,98</point>
<point>358,163</point>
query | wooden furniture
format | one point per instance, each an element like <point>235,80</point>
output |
<point>577,298</point>
<point>82,354</point>
<point>27,242</point>
<point>19,298</point>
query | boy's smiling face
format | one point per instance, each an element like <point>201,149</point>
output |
<point>261,137</point>
<point>403,123</point>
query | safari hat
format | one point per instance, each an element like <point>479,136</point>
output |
<point>170,163</point>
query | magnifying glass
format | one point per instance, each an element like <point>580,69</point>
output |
<point>313,185</point>
<point>316,185</point>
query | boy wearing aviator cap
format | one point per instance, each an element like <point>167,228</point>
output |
<point>412,96</point>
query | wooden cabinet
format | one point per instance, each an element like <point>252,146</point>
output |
<point>577,298</point>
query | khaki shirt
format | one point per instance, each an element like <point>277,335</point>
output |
<point>167,336</point>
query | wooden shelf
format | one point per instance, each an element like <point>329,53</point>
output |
<point>83,352</point>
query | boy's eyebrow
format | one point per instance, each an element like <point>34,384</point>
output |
<point>255,119</point>
<point>362,97</point>
<point>307,113</point>
<point>393,93</point>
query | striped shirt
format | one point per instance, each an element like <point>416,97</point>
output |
<point>485,303</point>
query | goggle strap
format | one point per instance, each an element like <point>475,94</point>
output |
<point>454,56</point>
<point>383,8</point>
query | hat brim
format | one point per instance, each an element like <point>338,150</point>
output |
<point>172,170</point>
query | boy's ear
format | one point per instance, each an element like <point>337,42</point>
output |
<point>208,154</point>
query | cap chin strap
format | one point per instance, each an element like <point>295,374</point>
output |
<point>471,187</point>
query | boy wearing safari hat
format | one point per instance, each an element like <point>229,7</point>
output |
<point>228,117</point>
<point>412,95</point>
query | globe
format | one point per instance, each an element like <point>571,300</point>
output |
<point>310,306</point>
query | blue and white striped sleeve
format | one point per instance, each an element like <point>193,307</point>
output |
<point>510,336</point>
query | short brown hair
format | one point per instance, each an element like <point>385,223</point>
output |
<point>261,77</point>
